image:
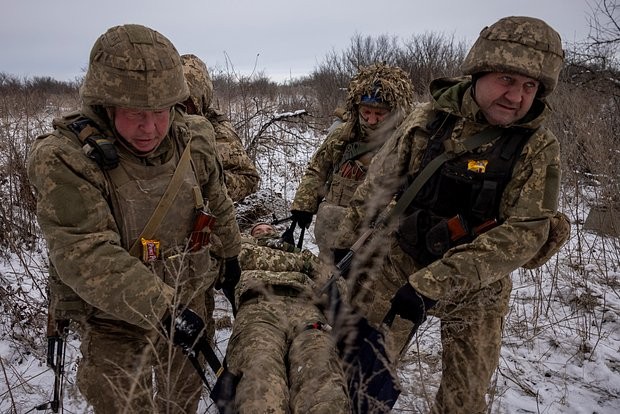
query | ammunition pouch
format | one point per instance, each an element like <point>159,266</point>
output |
<point>341,190</point>
<point>423,236</point>
<point>427,237</point>
<point>65,304</point>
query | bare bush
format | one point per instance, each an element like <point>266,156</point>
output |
<point>429,56</point>
<point>26,109</point>
<point>424,57</point>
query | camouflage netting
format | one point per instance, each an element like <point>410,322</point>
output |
<point>390,83</point>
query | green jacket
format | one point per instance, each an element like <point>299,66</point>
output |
<point>315,182</point>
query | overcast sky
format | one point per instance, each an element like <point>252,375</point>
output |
<point>282,38</point>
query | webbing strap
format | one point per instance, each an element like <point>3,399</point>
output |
<point>452,150</point>
<point>356,149</point>
<point>165,202</point>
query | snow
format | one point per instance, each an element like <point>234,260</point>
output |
<point>561,344</point>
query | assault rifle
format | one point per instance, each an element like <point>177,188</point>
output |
<point>56,347</point>
<point>371,381</point>
<point>223,391</point>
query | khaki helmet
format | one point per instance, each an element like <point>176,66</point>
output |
<point>523,45</point>
<point>199,82</point>
<point>380,85</point>
<point>133,66</point>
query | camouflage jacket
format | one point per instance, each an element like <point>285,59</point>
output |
<point>314,184</point>
<point>241,176</point>
<point>528,202</point>
<point>84,241</point>
<point>268,261</point>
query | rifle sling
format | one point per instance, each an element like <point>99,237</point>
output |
<point>164,202</point>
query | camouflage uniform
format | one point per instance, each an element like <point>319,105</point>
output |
<point>279,343</point>
<point>242,178</point>
<point>332,176</point>
<point>470,281</point>
<point>91,217</point>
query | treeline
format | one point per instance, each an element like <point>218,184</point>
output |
<point>584,117</point>
<point>11,84</point>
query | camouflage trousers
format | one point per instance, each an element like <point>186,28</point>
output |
<point>471,330</point>
<point>286,365</point>
<point>119,362</point>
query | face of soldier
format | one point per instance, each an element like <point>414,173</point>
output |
<point>505,98</point>
<point>262,230</point>
<point>143,130</point>
<point>373,115</point>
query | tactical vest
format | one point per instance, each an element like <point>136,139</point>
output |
<point>346,176</point>
<point>465,191</point>
<point>135,192</point>
<point>349,173</point>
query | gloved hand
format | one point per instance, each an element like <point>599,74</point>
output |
<point>410,304</point>
<point>229,280</point>
<point>185,329</point>
<point>303,218</point>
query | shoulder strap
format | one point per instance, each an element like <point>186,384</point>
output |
<point>165,202</point>
<point>452,150</point>
<point>356,149</point>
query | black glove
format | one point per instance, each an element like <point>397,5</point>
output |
<point>410,304</point>
<point>223,393</point>
<point>303,218</point>
<point>186,328</point>
<point>229,280</point>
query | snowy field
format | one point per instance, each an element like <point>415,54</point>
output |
<point>561,346</point>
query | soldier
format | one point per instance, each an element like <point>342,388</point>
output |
<point>280,344</point>
<point>118,200</point>
<point>500,196</point>
<point>378,99</point>
<point>242,179</point>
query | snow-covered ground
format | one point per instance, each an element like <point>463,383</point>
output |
<point>561,347</point>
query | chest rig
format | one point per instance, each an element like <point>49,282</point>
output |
<point>350,171</point>
<point>151,201</point>
<point>461,199</point>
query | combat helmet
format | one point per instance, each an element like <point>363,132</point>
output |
<point>199,82</point>
<point>380,85</point>
<point>519,44</point>
<point>134,66</point>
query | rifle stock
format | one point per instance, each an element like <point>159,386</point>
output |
<point>56,346</point>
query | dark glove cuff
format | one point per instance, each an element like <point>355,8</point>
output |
<point>428,302</point>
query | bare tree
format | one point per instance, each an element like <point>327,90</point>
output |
<point>430,55</point>
<point>595,62</point>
